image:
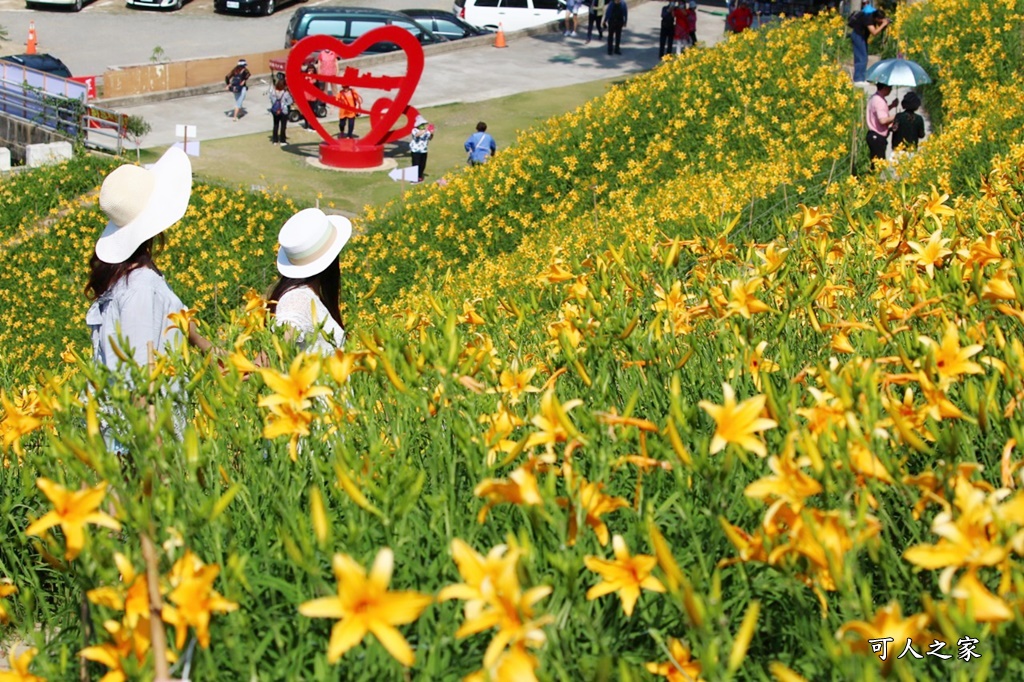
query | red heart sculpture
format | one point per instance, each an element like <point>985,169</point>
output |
<point>385,111</point>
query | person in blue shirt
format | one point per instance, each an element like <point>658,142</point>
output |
<point>480,145</point>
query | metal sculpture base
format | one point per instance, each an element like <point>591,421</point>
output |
<point>351,153</point>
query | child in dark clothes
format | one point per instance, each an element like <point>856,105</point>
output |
<point>908,127</point>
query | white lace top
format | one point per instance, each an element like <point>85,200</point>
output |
<point>305,312</point>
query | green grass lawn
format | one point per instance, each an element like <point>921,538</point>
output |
<point>251,161</point>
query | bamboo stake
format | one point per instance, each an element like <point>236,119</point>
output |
<point>157,635</point>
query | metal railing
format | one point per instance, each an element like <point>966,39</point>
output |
<point>59,106</point>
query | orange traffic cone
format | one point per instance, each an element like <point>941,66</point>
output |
<point>499,40</point>
<point>30,46</point>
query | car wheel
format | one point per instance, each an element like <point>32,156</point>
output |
<point>177,5</point>
<point>269,9</point>
<point>78,6</point>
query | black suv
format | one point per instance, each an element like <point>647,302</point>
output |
<point>40,62</point>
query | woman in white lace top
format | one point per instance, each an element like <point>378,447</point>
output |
<point>306,295</point>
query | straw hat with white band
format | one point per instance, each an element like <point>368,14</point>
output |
<point>140,203</point>
<point>310,241</point>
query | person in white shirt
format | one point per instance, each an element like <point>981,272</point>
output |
<point>130,296</point>
<point>305,297</point>
<point>129,317</point>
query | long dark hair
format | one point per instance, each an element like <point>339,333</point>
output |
<point>326,285</point>
<point>103,276</point>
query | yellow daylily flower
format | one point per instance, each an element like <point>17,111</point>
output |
<point>6,590</point>
<point>626,575</point>
<point>72,511</point>
<point>888,622</point>
<point>974,598</point>
<point>295,388</point>
<point>595,504</point>
<point>520,488</point>
<point>365,605</point>
<point>931,254</point>
<point>19,667</point>
<point>952,360</point>
<point>514,383</point>
<point>738,422</point>
<point>194,598</point>
<point>681,667</point>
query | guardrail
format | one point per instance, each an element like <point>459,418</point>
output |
<point>59,105</point>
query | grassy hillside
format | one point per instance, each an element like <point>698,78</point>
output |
<point>689,405</point>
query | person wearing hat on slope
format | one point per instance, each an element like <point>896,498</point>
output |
<point>863,24</point>
<point>305,297</point>
<point>131,299</point>
<point>237,83</point>
<point>908,126</point>
<point>422,132</point>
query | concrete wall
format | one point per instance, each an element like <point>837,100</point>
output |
<point>17,133</point>
<point>142,79</point>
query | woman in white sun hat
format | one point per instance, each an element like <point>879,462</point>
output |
<point>305,297</point>
<point>131,299</point>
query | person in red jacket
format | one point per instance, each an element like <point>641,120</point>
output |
<point>740,18</point>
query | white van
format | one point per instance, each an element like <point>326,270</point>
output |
<point>512,15</point>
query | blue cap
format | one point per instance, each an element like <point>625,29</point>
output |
<point>869,9</point>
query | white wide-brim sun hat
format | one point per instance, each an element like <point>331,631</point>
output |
<point>309,241</point>
<point>140,203</point>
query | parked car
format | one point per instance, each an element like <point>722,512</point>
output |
<point>263,7</point>
<point>40,62</point>
<point>155,4</point>
<point>445,24</point>
<point>349,23</point>
<point>73,5</point>
<point>512,15</point>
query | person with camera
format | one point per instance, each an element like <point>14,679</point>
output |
<point>864,24</point>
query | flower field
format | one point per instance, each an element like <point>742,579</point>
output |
<point>674,397</point>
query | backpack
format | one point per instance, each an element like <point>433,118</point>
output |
<point>276,107</point>
<point>235,84</point>
<point>853,21</point>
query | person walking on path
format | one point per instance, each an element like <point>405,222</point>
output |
<point>908,126</point>
<point>280,105</point>
<point>421,134</point>
<point>863,24</point>
<point>595,15</point>
<point>480,145</point>
<point>879,119</point>
<point>668,26</point>
<point>691,21</point>
<point>305,297</point>
<point>572,16</point>
<point>349,103</point>
<point>616,15</point>
<point>237,83</point>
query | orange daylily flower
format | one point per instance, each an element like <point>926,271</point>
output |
<point>681,667</point>
<point>72,511</point>
<point>738,422</point>
<point>365,605</point>
<point>194,599</point>
<point>520,488</point>
<point>19,663</point>
<point>626,574</point>
<point>931,254</point>
<point>952,360</point>
<point>595,504</point>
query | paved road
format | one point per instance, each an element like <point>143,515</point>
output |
<point>106,33</point>
<point>469,75</point>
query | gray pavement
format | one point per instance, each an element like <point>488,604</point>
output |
<point>474,74</point>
